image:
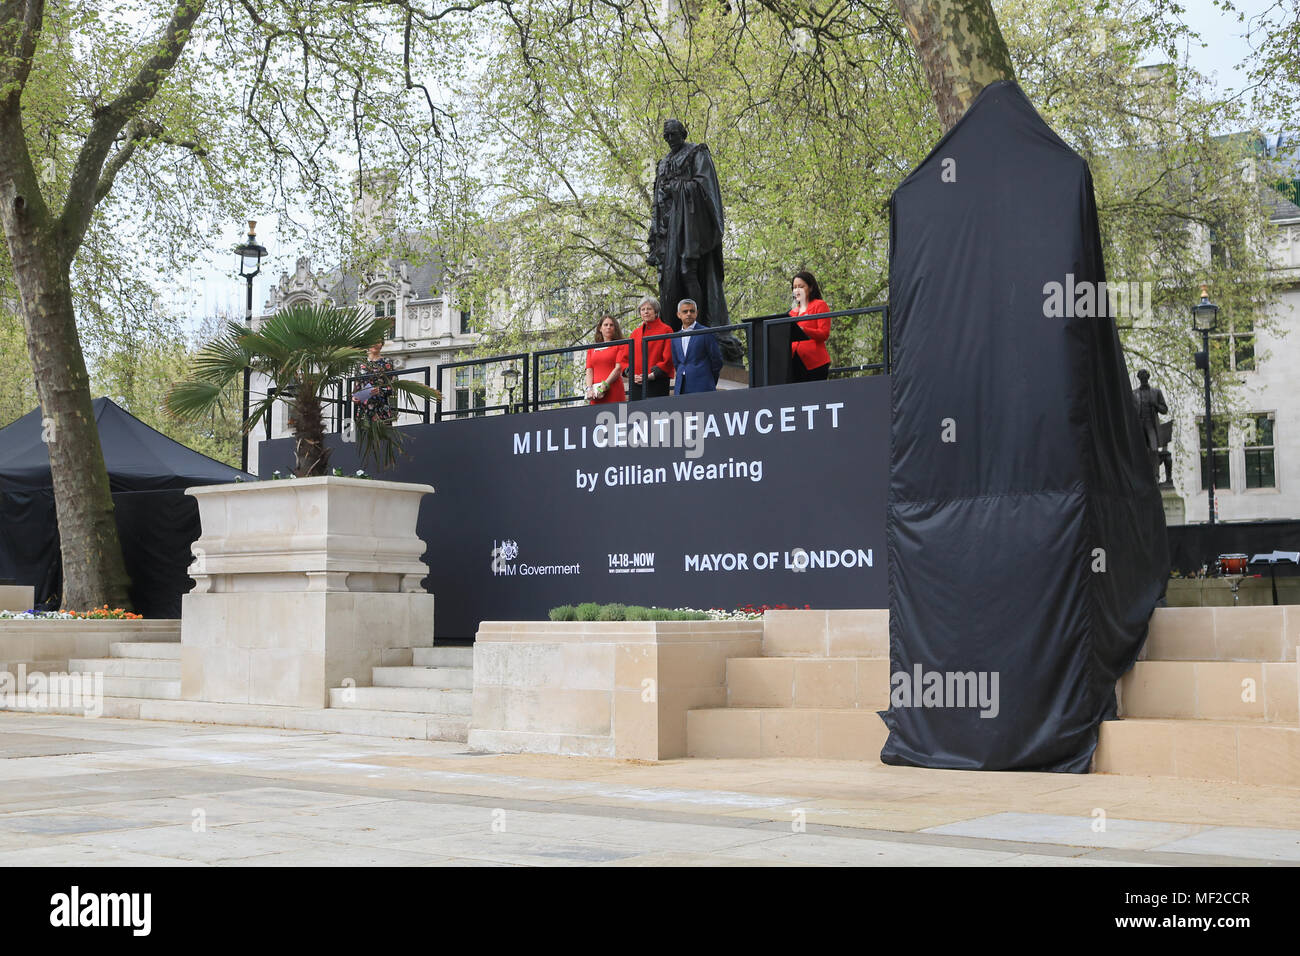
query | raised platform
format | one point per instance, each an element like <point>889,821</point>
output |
<point>1216,696</point>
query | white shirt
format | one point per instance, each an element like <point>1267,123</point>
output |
<point>686,342</point>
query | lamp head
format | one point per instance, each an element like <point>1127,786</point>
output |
<point>1205,314</point>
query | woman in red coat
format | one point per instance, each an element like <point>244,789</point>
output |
<point>809,360</point>
<point>605,366</point>
<point>652,384</point>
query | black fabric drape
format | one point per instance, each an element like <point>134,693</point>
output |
<point>1026,536</point>
<point>156,521</point>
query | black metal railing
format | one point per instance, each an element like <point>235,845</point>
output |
<point>534,379</point>
<point>474,411</point>
<point>769,322</point>
<point>701,330</point>
<point>537,402</point>
<point>339,406</point>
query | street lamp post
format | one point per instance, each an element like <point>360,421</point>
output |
<point>1205,318</point>
<point>250,264</point>
<point>511,376</point>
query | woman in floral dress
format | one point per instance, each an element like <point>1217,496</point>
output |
<point>373,387</point>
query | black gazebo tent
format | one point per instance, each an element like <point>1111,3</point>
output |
<point>148,474</point>
<point>1026,537</point>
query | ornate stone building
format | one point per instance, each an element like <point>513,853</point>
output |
<point>427,327</point>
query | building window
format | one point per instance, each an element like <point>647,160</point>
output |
<point>464,321</point>
<point>471,389</point>
<point>1260,444</point>
<point>549,374</point>
<point>1222,476</point>
<point>1234,348</point>
<point>387,309</point>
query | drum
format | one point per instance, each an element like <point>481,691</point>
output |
<point>1233,563</point>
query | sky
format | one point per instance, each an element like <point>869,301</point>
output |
<point>215,287</point>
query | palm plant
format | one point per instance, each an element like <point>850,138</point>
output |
<point>303,349</point>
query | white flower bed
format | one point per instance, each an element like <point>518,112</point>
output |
<point>38,616</point>
<point>717,614</point>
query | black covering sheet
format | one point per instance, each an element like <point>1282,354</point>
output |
<point>1026,536</point>
<point>157,522</point>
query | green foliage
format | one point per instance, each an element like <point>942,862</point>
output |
<point>612,612</point>
<point>17,390</point>
<point>813,118</point>
<point>591,611</point>
<point>810,131</point>
<point>304,349</point>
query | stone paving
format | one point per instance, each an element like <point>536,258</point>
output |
<point>137,793</point>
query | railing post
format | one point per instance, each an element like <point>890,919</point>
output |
<point>884,335</point>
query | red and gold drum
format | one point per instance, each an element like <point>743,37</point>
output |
<point>1233,563</point>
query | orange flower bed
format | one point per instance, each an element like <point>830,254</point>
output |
<point>106,614</point>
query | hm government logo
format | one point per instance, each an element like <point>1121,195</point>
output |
<point>502,554</point>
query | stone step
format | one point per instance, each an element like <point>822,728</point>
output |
<point>127,667</point>
<point>419,700</point>
<point>157,650</point>
<point>367,723</point>
<point>785,732</point>
<point>444,678</point>
<point>147,688</point>
<point>1212,690</point>
<point>1223,634</point>
<point>826,633</point>
<point>834,682</point>
<point>442,656</point>
<point>1238,751</point>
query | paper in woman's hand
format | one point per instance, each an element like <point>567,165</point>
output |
<point>364,394</point>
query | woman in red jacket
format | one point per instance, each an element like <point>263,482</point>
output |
<point>652,384</point>
<point>809,360</point>
<point>605,366</point>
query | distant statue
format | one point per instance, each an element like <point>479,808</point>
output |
<point>686,233</point>
<point>1150,406</point>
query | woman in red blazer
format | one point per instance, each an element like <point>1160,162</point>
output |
<point>652,384</point>
<point>809,360</point>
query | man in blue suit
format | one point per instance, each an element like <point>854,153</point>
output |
<point>697,357</point>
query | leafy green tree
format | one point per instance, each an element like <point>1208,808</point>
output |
<point>812,120</point>
<point>813,116</point>
<point>151,121</point>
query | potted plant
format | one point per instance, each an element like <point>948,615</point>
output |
<point>304,349</point>
<point>301,585</point>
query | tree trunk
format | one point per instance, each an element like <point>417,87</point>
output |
<point>94,571</point>
<point>961,48</point>
<point>312,457</point>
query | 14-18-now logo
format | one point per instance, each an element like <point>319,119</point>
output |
<point>641,562</point>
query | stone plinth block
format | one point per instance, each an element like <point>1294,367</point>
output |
<point>607,689</point>
<point>312,534</point>
<point>290,648</point>
<point>301,585</point>
<point>17,598</point>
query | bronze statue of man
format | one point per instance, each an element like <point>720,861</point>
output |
<point>1150,406</point>
<point>686,230</point>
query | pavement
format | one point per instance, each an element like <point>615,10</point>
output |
<point>106,792</point>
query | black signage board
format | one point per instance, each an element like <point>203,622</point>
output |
<point>746,496</point>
